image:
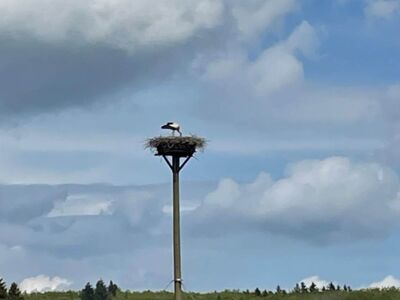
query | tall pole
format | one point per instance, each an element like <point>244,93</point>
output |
<point>176,147</point>
<point>176,229</point>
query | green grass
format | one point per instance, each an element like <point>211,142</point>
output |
<point>386,294</point>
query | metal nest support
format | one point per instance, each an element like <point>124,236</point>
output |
<point>179,146</point>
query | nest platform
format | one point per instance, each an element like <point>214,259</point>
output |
<point>181,146</point>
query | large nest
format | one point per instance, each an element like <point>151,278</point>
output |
<point>176,145</point>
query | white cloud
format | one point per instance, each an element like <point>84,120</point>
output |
<point>319,200</point>
<point>132,25</point>
<point>387,282</point>
<point>122,24</point>
<point>382,8</point>
<point>276,68</point>
<point>43,283</point>
<point>320,283</point>
<point>304,39</point>
<point>254,17</point>
<point>81,205</point>
<point>168,209</point>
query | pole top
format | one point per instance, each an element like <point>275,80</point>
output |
<point>179,146</point>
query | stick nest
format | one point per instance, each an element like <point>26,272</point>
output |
<point>176,145</point>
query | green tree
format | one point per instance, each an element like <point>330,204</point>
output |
<point>14,293</point>
<point>313,287</point>
<point>100,292</point>
<point>264,293</point>
<point>331,287</point>
<point>257,292</point>
<point>278,290</point>
<point>3,289</point>
<point>296,288</point>
<point>303,287</point>
<point>349,288</point>
<point>112,288</point>
<point>88,292</point>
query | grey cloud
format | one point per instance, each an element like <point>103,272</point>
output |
<point>317,201</point>
<point>120,24</point>
<point>131,245</point>
<point>389,153</point>
<point>87,55</point>
<point>136,214</point>
<point>47,68</point>
<point>20,204</point>
<point>37,77</point>
<point>326,201</point>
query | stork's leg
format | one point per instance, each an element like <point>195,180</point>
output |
<point>180,133</point>
<point>173,132</point>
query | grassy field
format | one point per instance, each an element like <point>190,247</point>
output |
<point>387,294</point>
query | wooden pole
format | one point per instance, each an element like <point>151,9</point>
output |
<point>176,229</point>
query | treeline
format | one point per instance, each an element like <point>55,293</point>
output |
<point>301,288</point>
<point>13,293</point>
<point>100,292</point>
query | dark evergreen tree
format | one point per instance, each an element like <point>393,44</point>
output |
<point>345,288</point>
<point>338,288</point>
<point>3,289</point>
<point>331,287</point>
<point>264,293</point>
<point>101,293</point>
<point>112,288</point>
<point>88,292</point>
<point>278,290</point>
<point>324,289</point>
<point>313,288</point>
<point>296,288</point>
<point>257,292</point>
<point>349,288</point>
<point>14,293</point>
<point>303,287</point>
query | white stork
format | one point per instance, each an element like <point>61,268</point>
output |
<point>172,126</point>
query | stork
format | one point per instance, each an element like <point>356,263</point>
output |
<point>172,126</point>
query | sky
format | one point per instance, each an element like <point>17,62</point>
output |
<point>299,102</point>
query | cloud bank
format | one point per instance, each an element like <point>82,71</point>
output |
<point>320,283</point>
<point>123,232</point>
<point>387,282</point>
<point>76,53</point>
<point>120,24</point>
<point>43,283</point>
<point>320,201</point>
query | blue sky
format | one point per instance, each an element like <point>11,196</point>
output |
<point>300,103</point>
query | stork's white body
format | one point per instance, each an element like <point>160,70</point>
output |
<point>172,126</point>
